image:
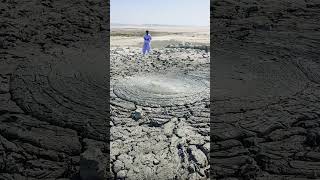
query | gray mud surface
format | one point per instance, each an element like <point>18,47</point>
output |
<point>160,113</point>
<point>53,90</point>
<point>265,122</point>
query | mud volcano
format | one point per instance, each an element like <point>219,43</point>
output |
<point>53,90</point>
<point>159,116</point>
<point>162,89</point>
<point>66,94</point>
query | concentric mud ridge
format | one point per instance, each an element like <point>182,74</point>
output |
<point>266,93</point>
<point>52,90</point>
<point>64,98</point>
<point>162,89</point>
<point>160,114</point>
<point>69,99</point>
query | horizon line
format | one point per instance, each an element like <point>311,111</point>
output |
<point>125,24</point>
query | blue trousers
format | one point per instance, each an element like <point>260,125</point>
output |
<point>146,48</point>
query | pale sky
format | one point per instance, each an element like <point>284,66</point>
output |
<point>169,12</point>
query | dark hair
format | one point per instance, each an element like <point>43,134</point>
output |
<point>147,31</point>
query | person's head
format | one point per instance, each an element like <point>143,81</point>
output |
<point>147,32</point>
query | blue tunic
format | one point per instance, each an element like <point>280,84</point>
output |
<point>146,44</point>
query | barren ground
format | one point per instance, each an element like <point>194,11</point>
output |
<point>169,89</point>
<point>132,36</point>
<point>265,122</point>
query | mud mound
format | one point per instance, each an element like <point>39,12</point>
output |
<point>162,90</point>
<point>53,89</point>
<point>160,114</point>
<point>63,95</point>
<point>266,89</point>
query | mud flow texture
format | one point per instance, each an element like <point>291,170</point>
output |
<point>162,89</point>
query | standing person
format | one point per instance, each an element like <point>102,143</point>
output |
<point>147,43</point>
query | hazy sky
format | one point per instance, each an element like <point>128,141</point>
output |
<point>170,12</point>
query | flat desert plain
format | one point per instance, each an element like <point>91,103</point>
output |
<point>132,35</point>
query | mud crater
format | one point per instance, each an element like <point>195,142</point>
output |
<point>162,89</point>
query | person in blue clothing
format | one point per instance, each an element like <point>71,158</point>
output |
<point>147,43</point>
